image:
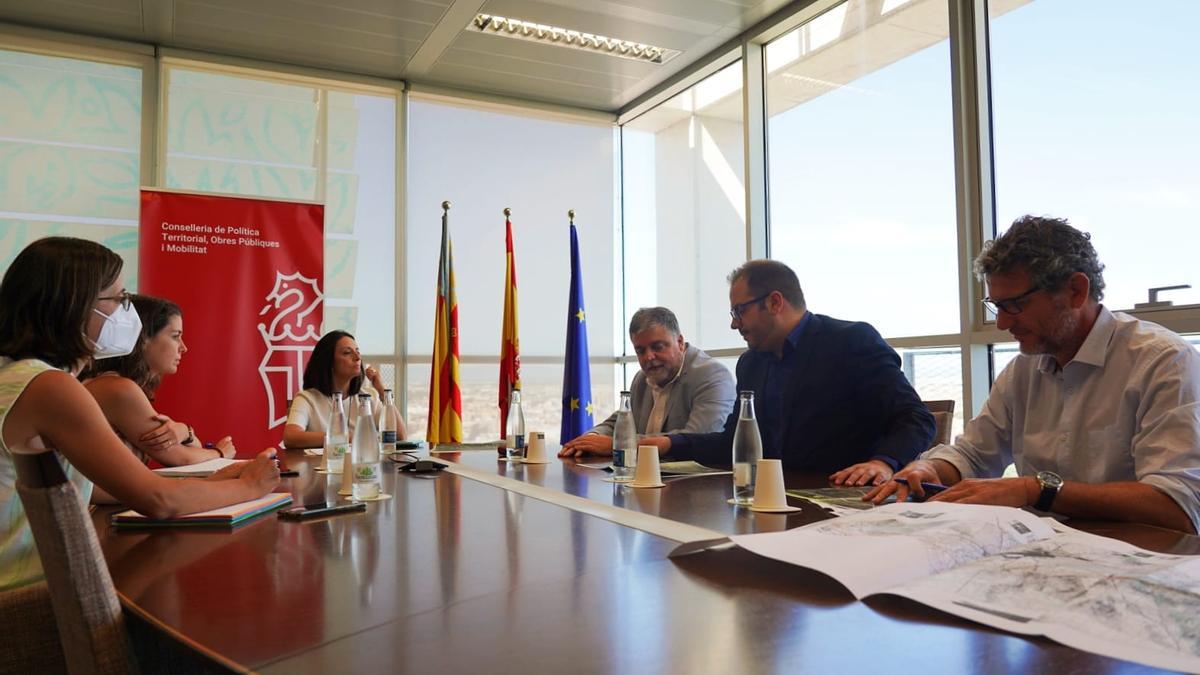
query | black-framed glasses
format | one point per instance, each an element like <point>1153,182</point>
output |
<point>739,309</point>
<point>125,298</point>
<point>1010,306</point>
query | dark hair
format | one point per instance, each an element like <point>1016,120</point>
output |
<point>1049,250</point>
<point>653,316</point>
<point>318,374</point>
<point>47,296</point>
<point>765,276</point>
<point>155,313</point>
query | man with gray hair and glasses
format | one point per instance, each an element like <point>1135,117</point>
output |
<point>1100,412</point>
<point>678,389</point>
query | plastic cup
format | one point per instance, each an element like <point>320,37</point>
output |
<point>535,451</point>
<point>347,488</point>
<point>647,474</point>
<point>768,490</point>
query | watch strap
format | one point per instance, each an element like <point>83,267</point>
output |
<point>1046,498</point>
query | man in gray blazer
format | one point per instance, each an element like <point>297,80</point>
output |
<point>680,389</point>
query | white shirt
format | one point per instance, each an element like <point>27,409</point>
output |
<point>311,409</point>
<point>662,398</point>
<point>1126,408</point>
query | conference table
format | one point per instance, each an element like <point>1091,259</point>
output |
<point>500,567</point>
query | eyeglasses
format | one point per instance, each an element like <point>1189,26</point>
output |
<point>125,298</point>
<point>739,309</point>
<point>1011,306</point>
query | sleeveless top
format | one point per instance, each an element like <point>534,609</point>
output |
<point>19,562</point>
<point>142,457</point>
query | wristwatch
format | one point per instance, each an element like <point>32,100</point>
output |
<point>190,437</point>
<point>1051,483</point>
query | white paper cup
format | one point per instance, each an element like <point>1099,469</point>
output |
<point>535,450</point>
<point>647,473</point>
<point>347,474</point>
<point>768,488</point>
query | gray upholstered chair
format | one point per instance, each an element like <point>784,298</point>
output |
<point>943,416</point>
<point>91,628</point>
<point>30,635</point>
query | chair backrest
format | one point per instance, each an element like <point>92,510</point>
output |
<point>943,416</point>
<point>90,624</point>
<point>31,643</point>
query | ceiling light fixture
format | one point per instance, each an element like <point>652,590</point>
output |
<point>491,24</point>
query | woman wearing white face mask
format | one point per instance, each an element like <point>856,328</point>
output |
<point>124,387</point>
<point>120,331</point>
<point>56,300</point>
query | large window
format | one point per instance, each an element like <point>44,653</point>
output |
<point>861,172</point>
<point>70,144</point>
<point>936,374</point>
<point>252,136</point>
<point>483,161</point>
<point>1095,121</point>
<point>685,207</point>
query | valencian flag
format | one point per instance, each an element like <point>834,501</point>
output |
<point>510,343</point>
<point>445,398</point>
<point>577,382</point>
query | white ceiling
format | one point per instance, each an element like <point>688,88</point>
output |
<point>423,41</point>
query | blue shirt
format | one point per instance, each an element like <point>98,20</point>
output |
<point>779,373</point>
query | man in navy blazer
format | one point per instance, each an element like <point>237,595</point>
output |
<point>829,395</point>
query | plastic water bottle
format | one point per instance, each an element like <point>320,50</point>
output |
<point>624,442</point>
<point>337,436</point>
<point>389,423</point>
<point>514,434</point>
<point>747,450</point>
<point>366,452</point>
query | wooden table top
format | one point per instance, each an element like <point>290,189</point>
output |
<point>455,575</point>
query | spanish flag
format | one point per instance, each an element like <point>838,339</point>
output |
<point>510,343</point>
<point>445,398</point>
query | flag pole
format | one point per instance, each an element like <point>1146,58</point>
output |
<point>445,397</point>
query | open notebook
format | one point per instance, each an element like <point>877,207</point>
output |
<point>206,468</point>
<point>226,516</point>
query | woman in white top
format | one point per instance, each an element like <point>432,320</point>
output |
<point>335,365</point>
<point>124,387</point>
<point>62,301</point>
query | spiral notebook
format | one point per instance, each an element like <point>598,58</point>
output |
<point>226,516</point>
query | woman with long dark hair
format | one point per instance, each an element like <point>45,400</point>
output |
<point>63,302</point>
<point>124,386</point>
<point>334,366</point>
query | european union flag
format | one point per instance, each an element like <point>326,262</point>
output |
<point>577,380</point>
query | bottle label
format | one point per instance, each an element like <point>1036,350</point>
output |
<point>741,474</point>
<point>339,450</point>
<point>389,437</point>
<point>618,458</point>
<point>366,473</point>
<point>518,442</point>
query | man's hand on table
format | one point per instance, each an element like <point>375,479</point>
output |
<point>871,472</point>
<point>587,444</point>
<point>906,481</point>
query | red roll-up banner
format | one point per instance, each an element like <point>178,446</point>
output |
<point>248,275</point>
